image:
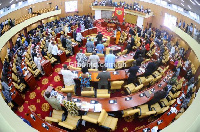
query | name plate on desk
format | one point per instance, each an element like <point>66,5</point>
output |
<point>117,57</point>
<point>94,102</point>
<point>115,73</point>
<point>128,98</point>
<point>124,56</point>
<point>76,100</point>
<point>112,101</point>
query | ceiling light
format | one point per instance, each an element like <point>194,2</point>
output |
<point>0,4</point>
<point>20,3</point>
<point>197,2</point>
<point>11,1</point>
<point>182,0</point>
<point>169,0</point>
<point>189,6</point>
<point>182,4</point>
<point>192,2</point>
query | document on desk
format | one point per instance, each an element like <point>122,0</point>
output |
<point>97,108</point>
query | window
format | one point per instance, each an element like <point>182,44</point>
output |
<point>20,3</point>
<point>174,6</point>
<point>169,20</point>
<point>164,3</point>
<point>180,8</point>
<point>157,1</point>
<point>12,6</point>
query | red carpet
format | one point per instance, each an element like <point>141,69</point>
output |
<point>36,101</point>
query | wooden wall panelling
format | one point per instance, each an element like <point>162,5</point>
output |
<point>194,60</point>
<point>131,18</point>
<point>3,52</point>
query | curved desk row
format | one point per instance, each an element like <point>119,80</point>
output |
<point>125,102</point>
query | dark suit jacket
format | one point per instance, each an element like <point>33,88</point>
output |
<point>103,77</point>
<point>139,61</point>
<point>157,97</point>
<point>151,67</point>
<point>133,71</point>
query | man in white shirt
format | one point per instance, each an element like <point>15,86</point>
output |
<point>50,47</point>
<point>68,76</point>
<point>94,59</point>
<point>172,52</point>
<point>55,51</point>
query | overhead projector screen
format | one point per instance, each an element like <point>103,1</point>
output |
<point>71,6</point>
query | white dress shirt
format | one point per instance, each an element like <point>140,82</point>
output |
<point>55,50</point>
<point>68,77</point>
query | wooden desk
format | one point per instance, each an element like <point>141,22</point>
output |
<point>111,25</point>
<point>62,57</point>
<point>70,34</point>
<point>112,40</point>
<point>85,33</point>
<point>30,80</point>
<point>166,119</point>
<point>75,48</point>
<point>94,30</point>
<point>46,65</point>
<point>122,104</point>
<point>84,41</point>
<point>104,24</point>
<point>38,123</point>
<point>16,97</point>
<point>116,49</point>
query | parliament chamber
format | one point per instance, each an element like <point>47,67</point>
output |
<point>56,56</point>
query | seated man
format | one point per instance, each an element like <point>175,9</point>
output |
<point>110,60</point>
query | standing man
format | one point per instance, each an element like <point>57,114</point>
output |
<point>90,46</point>
<point>94,59</point>
<point>99,37</point>
<point>139,60</point>
<point>132,73</point>
<point>68,76</point>
<point>52,100</point>
<point>100,47</point>
<point>103,77</point>
<point>110,60</point>
<point>81,59</point>
<point>55,51</point>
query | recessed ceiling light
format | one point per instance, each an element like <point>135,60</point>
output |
<point>169,0</point>
<point>189,7</point>
<point>11,1</point>
<point>192,2</point>
<point>0,4</point>
<point>182,4</point>
<point>197,2</point>
<point>182,0</point>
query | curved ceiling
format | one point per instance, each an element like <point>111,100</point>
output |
<point>7,3</point>
<point>190,5</point>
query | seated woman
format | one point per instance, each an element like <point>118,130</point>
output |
<point>85,78</point>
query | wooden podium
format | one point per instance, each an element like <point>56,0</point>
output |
<point>46,65</point>
<point>30,80</point>
<point>16,97</point>
<point>63,57</point>
<point>70,34</point>
<point>84,33</point>
<point>84,41</point>
<point>112,40</point>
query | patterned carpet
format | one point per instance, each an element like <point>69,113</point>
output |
<point>36,101</point>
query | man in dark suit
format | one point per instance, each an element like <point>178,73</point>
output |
<point>137,53</point>
<point>157,97</point>
<point>99,37</point>
<point>132,73</point>
<point>63,41</point>
<point>132,41</point>
<point>139,60</point>
<point>103,78</point>
<point>151,67</point>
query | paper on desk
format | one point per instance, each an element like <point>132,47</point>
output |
<point>97,108</point>
<point>154,129</point>
<point>174,110</point>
